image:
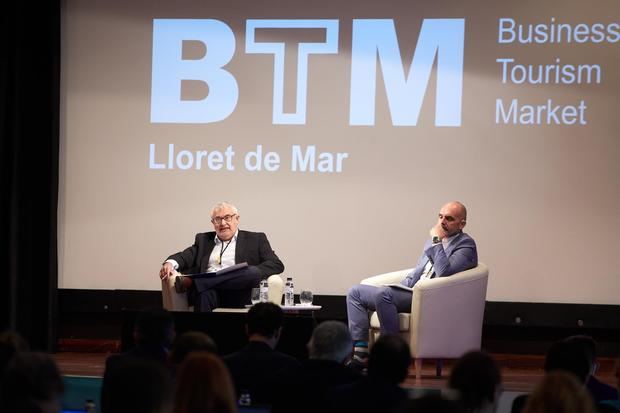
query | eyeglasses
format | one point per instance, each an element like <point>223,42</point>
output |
<point>225,218</point>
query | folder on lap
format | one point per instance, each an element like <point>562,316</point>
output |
<point>399,286</point>
<point>217,273</point>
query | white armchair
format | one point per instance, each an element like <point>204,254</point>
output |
<point>174,301</point>
<point>446,314</point>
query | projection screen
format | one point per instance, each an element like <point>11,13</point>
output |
<point>339,128</point>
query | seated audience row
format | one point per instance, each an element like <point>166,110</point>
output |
<point>189,377</point>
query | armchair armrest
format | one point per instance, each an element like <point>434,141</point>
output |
<point>173,301</point>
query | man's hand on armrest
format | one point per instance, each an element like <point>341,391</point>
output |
<point>166,270</point>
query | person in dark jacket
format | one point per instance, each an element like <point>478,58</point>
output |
<point>255,367</point>
<point>380,391</point>
<point>306,389</point>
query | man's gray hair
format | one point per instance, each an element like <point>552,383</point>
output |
<point>330,340</point>
<point>221,205</point>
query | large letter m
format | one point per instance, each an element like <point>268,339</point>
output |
<point>441,38</point>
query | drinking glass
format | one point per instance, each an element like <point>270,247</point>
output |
<point>305,297</point>
<point>255,295</point>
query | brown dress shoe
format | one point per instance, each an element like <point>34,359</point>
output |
<point>181,284</point>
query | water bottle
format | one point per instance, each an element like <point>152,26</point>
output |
<point>289,293</point>
<point>264,291</point>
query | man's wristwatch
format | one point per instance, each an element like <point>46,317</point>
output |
<point>436,240</point>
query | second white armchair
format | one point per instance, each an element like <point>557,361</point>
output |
<point>446,314</point>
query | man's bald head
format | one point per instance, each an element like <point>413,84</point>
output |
<point>452,217</point>
<point>457,206</point>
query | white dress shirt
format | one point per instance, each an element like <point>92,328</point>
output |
<point>222,256</point>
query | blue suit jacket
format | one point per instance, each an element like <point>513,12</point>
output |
<point>460,255</point>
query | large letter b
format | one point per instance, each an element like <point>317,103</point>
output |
<point>170,69</point>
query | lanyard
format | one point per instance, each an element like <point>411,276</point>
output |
<point>222,251</point>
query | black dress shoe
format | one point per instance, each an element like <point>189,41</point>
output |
<point>359,364</point>
<point>178,284</point>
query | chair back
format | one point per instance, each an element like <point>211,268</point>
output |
<point>447,314</point>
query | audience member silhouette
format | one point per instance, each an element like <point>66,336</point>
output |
<point>153,334</point>
<point>11,343</point>
<point>304,389</point>
<point>563,356</point>
<point>189,342</point>
<point>598,390</point>
<point>388,366</point>
<point>477,379</point>
<point>256,367</point>
<point>31,383</point>
<point>570,357</point>
<point>204,386</point>
<point>559,392</point>
<point>137,385</point>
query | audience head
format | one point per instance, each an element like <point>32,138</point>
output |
<point>559,392</point>
<point>204,386</point>
<point>389,359</point>
<point>136,386</point>
<point>189,342</point>
<point>477,379</point>
<point>265,319</point>
<point>330,340</point>
<point>588,345</point>
<point>31,384</point>
<point>154,328</point>
<point>11,343</point>
<point>568,356</point>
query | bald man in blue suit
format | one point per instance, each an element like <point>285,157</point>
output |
<point>448,251</point>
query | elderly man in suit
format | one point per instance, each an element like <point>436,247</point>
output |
<point>448,251</point>
<point>223,248</point>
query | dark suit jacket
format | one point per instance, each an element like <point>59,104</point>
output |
<point>368,395</point>
<point>254,368</point>
<point>158,355</point>
<point>252,247</point>
<point>600,391</point>
<point>306,389</point>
